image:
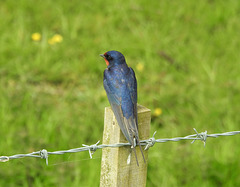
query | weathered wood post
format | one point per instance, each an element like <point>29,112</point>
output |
<point>114,168</point>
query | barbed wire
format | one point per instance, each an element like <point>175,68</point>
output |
<point>44,154</point>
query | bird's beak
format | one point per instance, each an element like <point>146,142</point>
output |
<point>102,55</point>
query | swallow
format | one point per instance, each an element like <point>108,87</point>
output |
<point>120,85</point>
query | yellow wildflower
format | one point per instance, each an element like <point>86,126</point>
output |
<point>57,38</point>
<point>140,67</point>
<point>36,36</point>
<point>157,112</point>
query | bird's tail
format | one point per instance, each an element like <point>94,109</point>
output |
<point>141,151</point>
<point>137,142</point>
<point>135,155</point>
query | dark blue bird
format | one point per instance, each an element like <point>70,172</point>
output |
<point>121,87</point>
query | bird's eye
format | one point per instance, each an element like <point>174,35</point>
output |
<point>108,57</point>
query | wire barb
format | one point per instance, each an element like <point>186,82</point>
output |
<point>202,136</point>
<point>4,158</point>
<point>150,142</point>
<point>44,155</point>
<point>92,148</point>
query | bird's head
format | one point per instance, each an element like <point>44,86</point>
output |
<point>113,58</point>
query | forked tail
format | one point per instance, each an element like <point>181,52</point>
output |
<point>137,142</point>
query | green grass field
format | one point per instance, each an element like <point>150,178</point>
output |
<point>186,58</point>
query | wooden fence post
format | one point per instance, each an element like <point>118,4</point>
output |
<point>114,168</point>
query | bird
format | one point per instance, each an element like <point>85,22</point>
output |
<point>120,85</point>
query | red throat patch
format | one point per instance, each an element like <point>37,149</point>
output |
<point>106,61</point>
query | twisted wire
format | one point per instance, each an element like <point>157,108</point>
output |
<point>44,154</point>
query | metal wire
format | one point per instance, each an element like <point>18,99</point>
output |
<point>44,154</point>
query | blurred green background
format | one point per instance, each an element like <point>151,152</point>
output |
<point>186,58</point>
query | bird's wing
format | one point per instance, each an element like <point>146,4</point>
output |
<point>116,104</point>
<point>128,125</point>
<point>133,91</point>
